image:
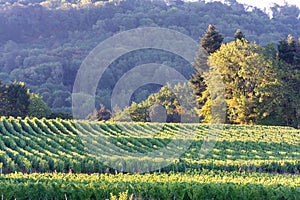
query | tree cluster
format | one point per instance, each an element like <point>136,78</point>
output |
<point>169,104</point>
<point>43,42</point>
<point>261,83</point>
<point>17,101</point>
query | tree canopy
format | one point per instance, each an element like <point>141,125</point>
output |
<point>212,39</point>
<point>250,79</point>
<point>43,42</point>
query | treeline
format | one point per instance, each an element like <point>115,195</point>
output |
<point>43,43</point>
<point>261,83</point>
<point>17,101</point>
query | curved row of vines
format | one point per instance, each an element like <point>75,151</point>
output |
<point>41,145</point>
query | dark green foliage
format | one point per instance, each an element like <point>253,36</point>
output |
<point>14,100</point>
<point>297,54</point>
<point>197,80</point>
<point>61,115</point>
<point>212,39</point>
<point>287,49</point>
<point>37,107</point>
<point>209,43</point>
<point>17,101</point>
<point>288,54</point>
<point>43,43</point>
<point>198,85</point>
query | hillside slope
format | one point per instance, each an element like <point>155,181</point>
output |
<point>44,44</point>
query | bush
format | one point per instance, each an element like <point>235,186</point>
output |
<point>37,107</point>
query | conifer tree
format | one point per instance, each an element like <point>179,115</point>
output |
<point>210,42</point>
<point>287,49</point>
<point>289,56</point>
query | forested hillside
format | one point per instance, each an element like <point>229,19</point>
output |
<point>43,43</point>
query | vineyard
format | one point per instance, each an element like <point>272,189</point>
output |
<point>207,185</point>
<point>244,162</point>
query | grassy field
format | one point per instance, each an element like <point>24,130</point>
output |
<point>245,162</point>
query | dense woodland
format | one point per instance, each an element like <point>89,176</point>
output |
<point>43,43</point>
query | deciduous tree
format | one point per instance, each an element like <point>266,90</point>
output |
<point>18,99</point>
<point>250,82</point>
<point>37,107</point>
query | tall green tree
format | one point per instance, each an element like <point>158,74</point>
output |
<point>250,81</point>
<point>18,99</point>
<point>212,39</point>
<point>209,43</point>
<point>289,57</point>
<point>290,95</point>
<point>197,80</point>
<point>287,49</point>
